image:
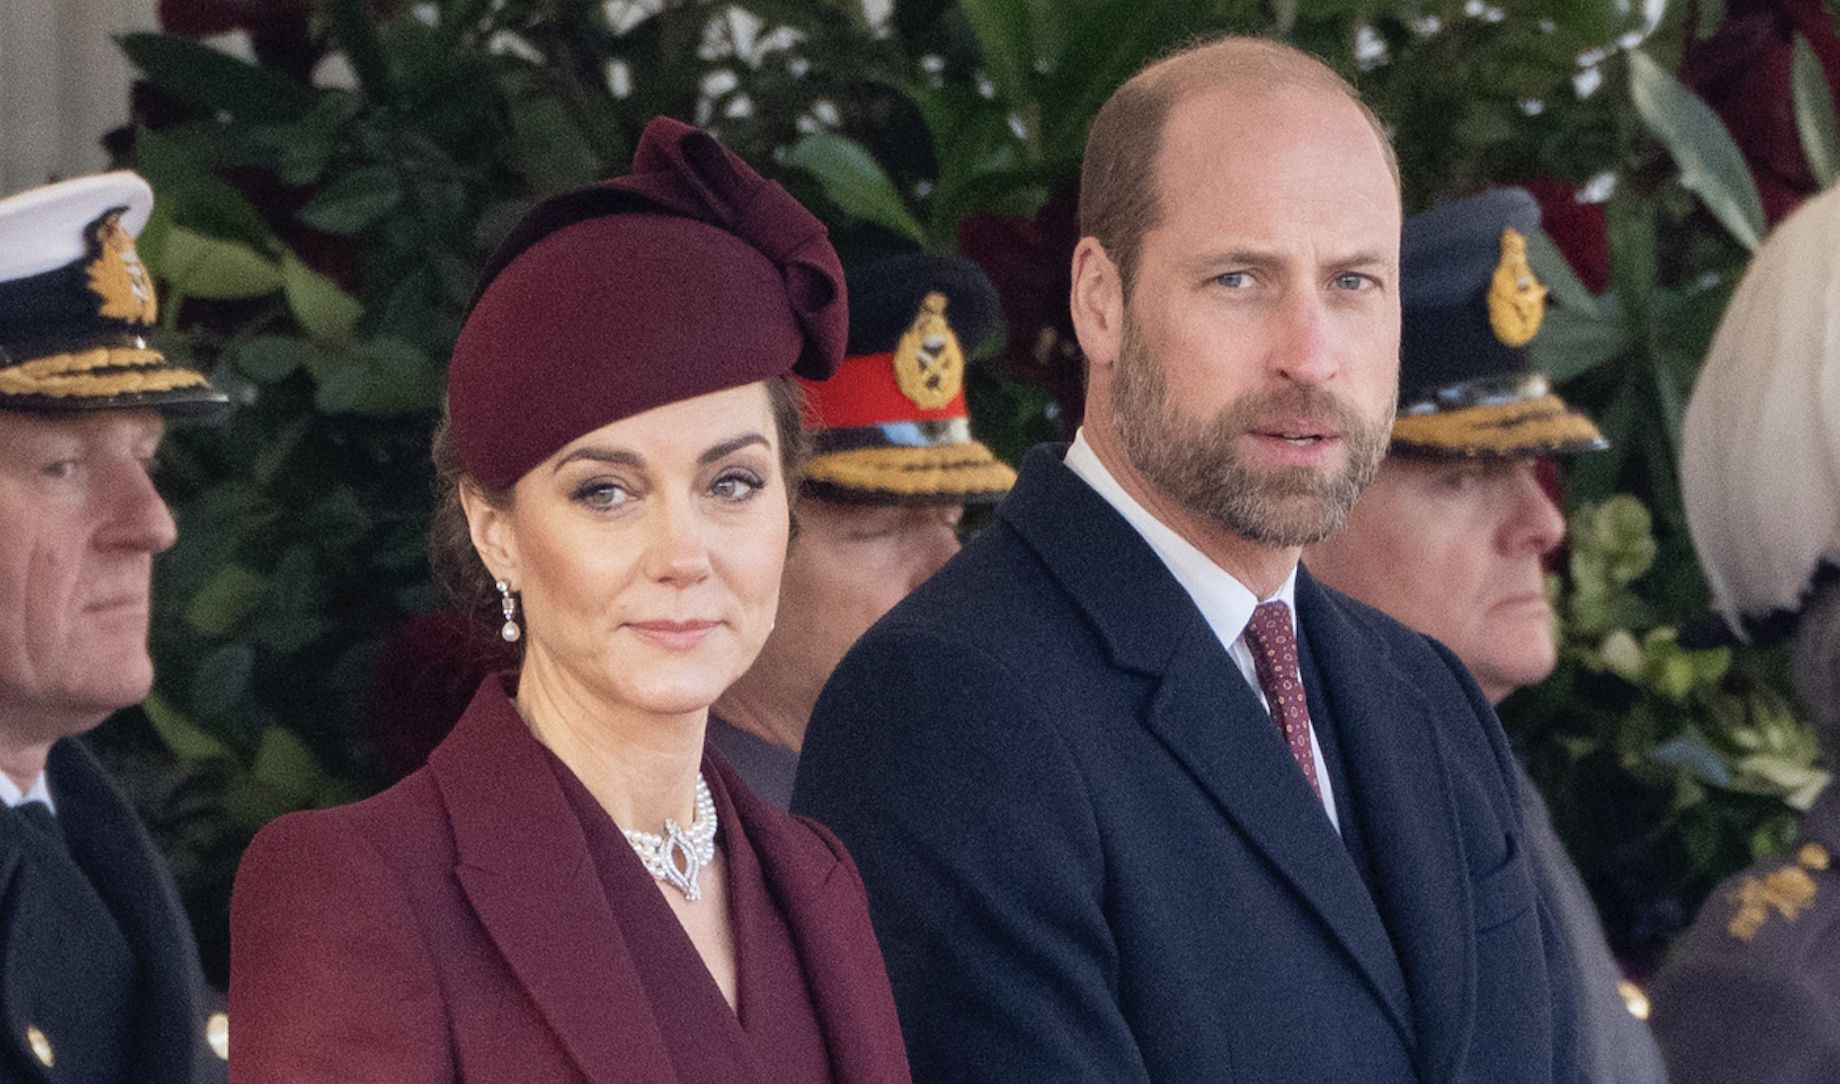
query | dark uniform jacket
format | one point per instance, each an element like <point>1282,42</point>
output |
<point>1090,856</point>
<point>1751,992</point>
<point>163,1032</point>
<point>462,925</point>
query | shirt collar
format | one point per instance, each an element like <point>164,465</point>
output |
<point>1225,602</point>
<point>14,797</point>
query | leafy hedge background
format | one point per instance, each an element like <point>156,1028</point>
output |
<point>323,206</point>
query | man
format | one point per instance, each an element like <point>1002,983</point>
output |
<point>1093,852</point>
<point>101,979</point>
<point>894,467</point>
<point>1452,535</point>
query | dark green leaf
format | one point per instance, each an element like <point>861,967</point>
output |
<point>1814,115</point>
<point>199,266</point>
<point>1555,271</point>
<point>230,596</point>
<point>1710,163</point>
<point>327,312</point>
<point>552,153</point>
<point>222,680</point>
<point>855,182</point>
<point>268,358</point>
<point>196,73</point>
<point>186,739</point>
<point>354,201</point>
<point>250,803</point>
<point>1572,342</point>
<point>181,171</point>
<point>285,764</point>
<point>1006,40</point>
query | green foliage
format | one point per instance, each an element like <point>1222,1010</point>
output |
<point>1814,115</point>
<point>1710,164</point>
<point>1705,759</point>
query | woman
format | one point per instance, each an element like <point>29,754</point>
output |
<point>570,889</point>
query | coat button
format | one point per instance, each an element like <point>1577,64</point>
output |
<point>217,1033</point>
<point>41,1046</point>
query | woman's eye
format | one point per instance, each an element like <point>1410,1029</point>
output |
<point>602,495</point>
<point>736,486</point>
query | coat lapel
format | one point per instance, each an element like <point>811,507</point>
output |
<point>114,851</point>
<point>828,918</point>
<point>525,868</point>
<point>1202,710</point>
<point>1208,717</point>
<point>1402,795</point>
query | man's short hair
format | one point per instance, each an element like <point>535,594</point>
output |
<point>1118,186</point>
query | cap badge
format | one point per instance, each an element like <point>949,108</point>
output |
<point>929,365</point>
<point>1517,301</point>
<point>116,274</point>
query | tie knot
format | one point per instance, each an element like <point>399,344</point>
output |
<point>1270,627</point>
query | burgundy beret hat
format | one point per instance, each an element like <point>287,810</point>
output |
<point>690,275</point>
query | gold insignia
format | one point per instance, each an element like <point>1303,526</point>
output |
<point>1517,301</point>
<point>217,1033</point>
<point>1633,998</point>
<point>1813,856</point>
<point>1788,891</point>
<point>41,1046</point>
<point>929,365</point>
<point>116,274</point>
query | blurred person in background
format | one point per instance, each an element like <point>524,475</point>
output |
<point>1751,992</point>
<point>570,889</point>
<point>1452,535</point>
<point>99,974</point>
<point>894,464</point>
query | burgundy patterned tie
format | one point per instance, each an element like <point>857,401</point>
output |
<point>1274,656</point>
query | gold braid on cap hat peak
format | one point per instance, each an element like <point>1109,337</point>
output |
<point>62,376</point>
<point>1524,428</point>
<point>906,471</point>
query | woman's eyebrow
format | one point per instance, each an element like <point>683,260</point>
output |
<point>729,447</point>
<point>616,456</point>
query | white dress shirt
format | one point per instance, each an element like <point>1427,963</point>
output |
<point>1225,603</point>
<point>14,797</point>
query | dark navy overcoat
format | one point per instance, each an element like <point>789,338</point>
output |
<point>1090,856</point>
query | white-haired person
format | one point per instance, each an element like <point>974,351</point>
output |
<point>1751,993</point>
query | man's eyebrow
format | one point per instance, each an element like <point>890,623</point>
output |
<point>729,447</point>
<point>1255,257</point>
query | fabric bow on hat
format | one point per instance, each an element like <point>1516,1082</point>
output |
<point>682,170</point>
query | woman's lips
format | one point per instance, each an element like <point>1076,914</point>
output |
<point>675,635</point>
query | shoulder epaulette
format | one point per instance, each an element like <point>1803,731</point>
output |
<point>1788,891</point>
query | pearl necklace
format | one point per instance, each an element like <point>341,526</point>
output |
<point>678,856</point>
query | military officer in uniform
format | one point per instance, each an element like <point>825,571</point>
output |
<point>894,466</point>
<point>1451,536</point>
<point>99,976</point>
<point>1751,992</point>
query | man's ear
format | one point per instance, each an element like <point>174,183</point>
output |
<point>1097,304</point>
<point>493,538</point>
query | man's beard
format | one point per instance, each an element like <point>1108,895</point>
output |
<point>1193,461</point>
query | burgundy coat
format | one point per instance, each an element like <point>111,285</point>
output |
<point>454,927</point>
